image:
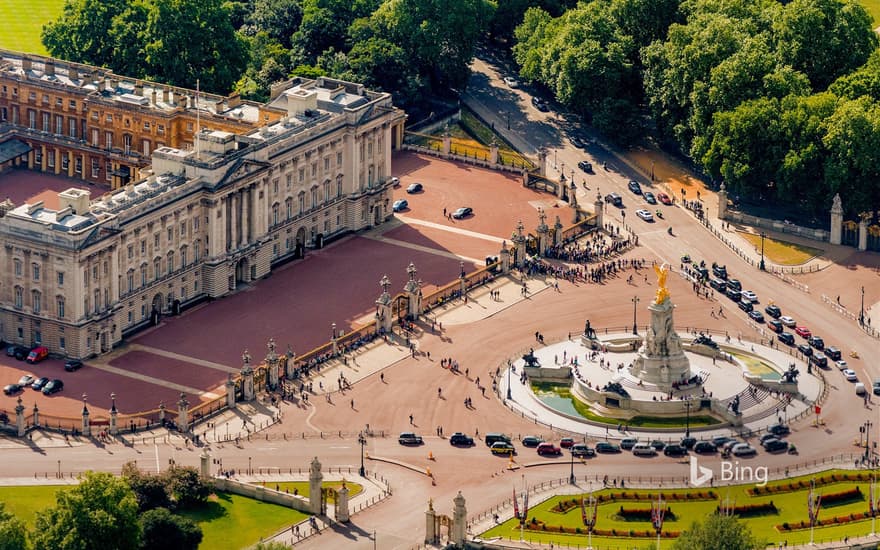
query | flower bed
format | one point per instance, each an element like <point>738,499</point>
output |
<point>752,510</point>
<point>642,514</point>
<point>805,484</point>
<point>537,526</point>
<point>837,520</point>
<point>564,505</point>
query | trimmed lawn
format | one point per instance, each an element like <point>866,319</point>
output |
<point>302,487</point>
<point>22,22</point>
<point>232,521</point>
<point>782,252</point>
<point>790,508</point>
<point>26,501</point>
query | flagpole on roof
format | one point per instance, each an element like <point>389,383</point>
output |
<point>198,119</point>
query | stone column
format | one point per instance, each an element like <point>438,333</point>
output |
<point>290,365</point>
<point>183,414</point>
<point>573,201</point>
<point>247,378</point>
<point>233,221</point>
<point>383,307</point>
<point>504,257</point>
<point>863,234</point>
<point>599,210</point>
<point>722,202</point>
<point>315,479</point>
<point>493,152</point>
<point>836,220</point>
<point>462,281</point>
<point>114,413</point>
<point>230,391</point>
<point>447,141</point>
<point>205,464</point>
<point>86,428</point>
<point>19,418</point>
<point>519,242</point>
<point>542,162</point>
<point>36,416</point>
<point>342,514</point>
<point>557,233</point>
<point>272,365</point>
<point>333,342</point>
<point>543,233</point>
<point>458,533</point>
<point>413,289</point>
<point>162,412</point>
<point>431,524</point>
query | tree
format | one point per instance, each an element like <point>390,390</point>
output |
<point>81,32</point>
<point>717,532</point>
<point>280,19</point>
<point>98,514</point>
<point>13,533</point>
<point>149,489</point>
<point>186,486</point>
<point>273,545</point>
<point>163,530</point>
<point>852,137</point>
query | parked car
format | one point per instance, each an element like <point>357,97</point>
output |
<point>860,388</point>
<point>718,284</point>
<point>720,440</point>
<point>688,442</point>
<point>643,449</point>
<point>803,332</point>
<point>735,284</point>
<point>674,449</point>
<point>745,305</point>
<point>409,438</point>
<point>779,429</point>
<point>54,386</point>
<point>749,295</point>
<point>463,212</point>
<point>19,352</point>
<point>634,187</point>
<point>400,205</point>
<point>787,321</point>
<point>645,215</point>
<point>850,375</point>
<point>607,448</point>
<point>540,104</point>
<point>512,82</point>
<point>820,360</point>
<point>415,188</point>
<point>841,364</point>
<point>531,441</point>
<point>775,325</point>
<point>876,386</point>
<point>585,166</point>
<point>566,443</point>
<point>658,445</point>
<point>582,450</point>
<point>767,437</point>
<point>833,353</point>
<point>805,349</point>
<point>732,293</point>
<point>37,354</point>
<point>719,271</point>
<point>502,448</point>
<point>664,198</point>
<point>493,437</point>
<point>26,380</point>
<point>817,342</point>
<point>395,181</point>
<point>73,365</point>
<point>786,338</point>
<point>628,443</point>
<point>39,383</point>
<point>578,142</point>
<point>775,446</point>
<point>11,389</point>
<point>705,447</point>
<point>459,439</point>
<point>548,449</point>
<point>756,316</point>
<point>649,198</point>
<point>615,199</point>
<point>773,311</point>
<point>743,449</point>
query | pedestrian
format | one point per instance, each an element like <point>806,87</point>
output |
<point>411,419</point>
<point>352,403</point>
<point>444,212</point>
<point>382,377</point>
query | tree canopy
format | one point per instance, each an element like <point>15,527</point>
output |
<point>717,532</point>
<point>13,533</point>
<point>163,530</point>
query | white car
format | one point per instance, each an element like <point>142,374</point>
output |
<point>749,295</point>
<point>743,449</point>
<point>400,205</point>
<point>841,364</point>
<point>512,82</point>
<point>645,215</point>
<point>787,321</point>
<point>850,375</point>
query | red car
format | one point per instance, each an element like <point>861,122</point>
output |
<point>566,442</point>
<point>664,198</point>
<point>803,332</point>
<point>549,449</point>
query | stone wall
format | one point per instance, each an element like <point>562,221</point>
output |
<point>263,494</point>
<point>782,227</point>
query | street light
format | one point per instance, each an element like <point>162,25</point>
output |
<point>571,479</point>
<point>868,425</point>
<point>635,301</point>
<point>862,309</point>
<point>509,369</point>
<point>687,421</point>
<point>761,267</point>
<point>249,466</point>
<point>508,120</point>
<point>363,441</point>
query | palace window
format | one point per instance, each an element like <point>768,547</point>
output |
<point>60,278</point>
<point>96,168</point>
<point>314,198</point>
<point>326,191</point>
<point>97,300</point>
<point>59,125</point>
<point>71,127</point>
<point>183,257</point>
<point>65,161</point>
<point>32,119</point>
<point>17,263</point>
<point>19,297</point>
<point>289,206</point>
<point>275,214</point>
<point>338,159</point>
<point>130,280</point>
<point>108,140</point>
<point>36,301</point>
<point>301,198</point>
<point>50,160</point>
<point>78,165</point>
<point>59,306</point>
<point>46,122</point>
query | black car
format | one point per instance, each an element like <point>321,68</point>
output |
<point>779,429</point>
<point>746,306</point>
<point>634,187</point>
<point>614,198</point>
<point>756,316</point>
<point>54,386</point>
<point>531,441</point>
<point>734,283</point>
<point>605,447</point>
<point>409,438</point>
<point>19,352</point>
<point>732,293</point>
<point>585,166</point>
<point>718,284</point>
<point>73,365</point>
<point>775,325</point>
<point>658,445</point>
<point>786,338</point>
<point>688,442</point>
<point>674,450</point>
<point>39,383</point>
<point>832,353</point>
<point>805,349</point>
<point>540,104</point>
<point>705,447</point>
<point>817,342</point>
<point>11,389</point>
<point>719,271</point>
<point>706,340</point>
<point>775,446</point>
<point>463,212</point>
<point>461,440</point>
<point>773,311</point>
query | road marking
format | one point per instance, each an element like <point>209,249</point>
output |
<point>421,248</point>
<point>158,469</point>
<point>441,227</point>
<point>153,380</point>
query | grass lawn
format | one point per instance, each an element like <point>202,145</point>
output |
<point>782,252</point>
<point>873,7</point>
<point>232,521</point>
<point>22,22</point>
<point>563,392</point>
<point>302,487</point>
<point>790,508</point>
<point>26,501</point>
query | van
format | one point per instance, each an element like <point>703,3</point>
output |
<point>496,437</point>
<point>718,284</point>
<point>38,354</point>
<point>643,449</point>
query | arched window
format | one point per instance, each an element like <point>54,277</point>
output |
<point>313,203</point>
<point>36,301</point>
<point>301,197</point>
<point>59,306</point>
<point>327,191</point>
<point>288,204</point>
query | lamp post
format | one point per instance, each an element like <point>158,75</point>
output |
<point>508,120</point>
<point>635,301</point>
<point>554,158</point>
<point>868,425</point>
<point>687,421</point>
<point>862,309</point>
<point>571,479</point>
<point>249,466</point>
<point>509,369</point>
<point>363,441</point>
<point>761,267</point>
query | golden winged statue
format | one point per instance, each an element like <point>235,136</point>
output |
<point>662,292</point>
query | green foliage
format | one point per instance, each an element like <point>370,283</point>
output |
<point>149,489</point>
<point>186,486</point>
<point>13,533</point>
<point>163,530</point>
<point>82,31</point>
<point>717,532</point>
<point>98,514</point>
<point>271,546</point>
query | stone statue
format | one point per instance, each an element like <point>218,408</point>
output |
<point>271,345</point>
<point>246,357</point>
<point>662,292</point>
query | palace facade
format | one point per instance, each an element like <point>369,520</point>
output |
<point>204,192</point>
